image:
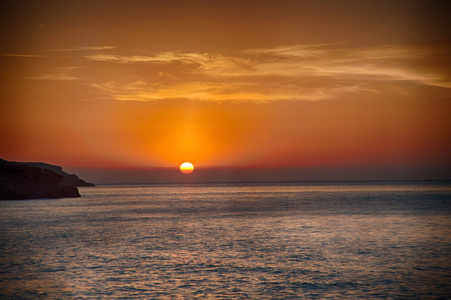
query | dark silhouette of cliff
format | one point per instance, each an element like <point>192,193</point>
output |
<point>30,180</point>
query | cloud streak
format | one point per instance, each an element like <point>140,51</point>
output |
<point>62,74</point>
<point>293,72</point>
<point>166,57</point>
<point>20,55</point>
<point>393,62</point>
<point>212,64</point>
<point>235,92</point>
<point>92,48</point>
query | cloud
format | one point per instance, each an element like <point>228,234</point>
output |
<point>202,63</point>
<point>92,48</point>
<point>62,74</point>
<point>166,57</point>
<point>203,91</point>
<point>291,50</point>
<point>392,62</point>
<point>296,72</point>
<point>20,55</point>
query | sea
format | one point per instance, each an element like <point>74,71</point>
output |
<point>292,240</point>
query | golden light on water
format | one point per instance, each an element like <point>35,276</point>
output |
<point>186,168</point>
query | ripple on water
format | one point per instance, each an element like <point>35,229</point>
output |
<point>247,242</point>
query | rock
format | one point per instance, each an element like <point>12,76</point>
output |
<point>37,180</point>
<point>50,177</point>
<point>31,173</point>
<point>73,180</point>
<point>68,179</point>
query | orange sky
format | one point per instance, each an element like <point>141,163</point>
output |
<point>128,85</point>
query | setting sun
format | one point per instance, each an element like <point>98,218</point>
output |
<point>186,168</point>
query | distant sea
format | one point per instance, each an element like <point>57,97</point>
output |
<point>306,240</point>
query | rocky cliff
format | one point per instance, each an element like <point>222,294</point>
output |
<point>20,180</point>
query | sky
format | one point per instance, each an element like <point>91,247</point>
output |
<point>126,91</point>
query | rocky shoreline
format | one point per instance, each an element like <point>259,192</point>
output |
<point>32,180</point>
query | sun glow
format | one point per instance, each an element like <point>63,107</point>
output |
<point>186,168</point>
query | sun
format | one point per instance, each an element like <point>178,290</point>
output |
<point>186,168</point>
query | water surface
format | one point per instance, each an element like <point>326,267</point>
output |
<point>234,241</point>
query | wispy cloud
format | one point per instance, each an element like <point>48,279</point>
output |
<point>209,91</point>
<point>296,72</point>
<point>393,62</point>
<point>62,74</point>
<point>161,58</point>
<point>207,63</point>
<point>20,55</point>
<point>166,57</point>
<point>201,91</point>
<point>291,50</point>
<point>92,48</point>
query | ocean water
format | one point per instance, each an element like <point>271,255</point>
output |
<point>350,240</point>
